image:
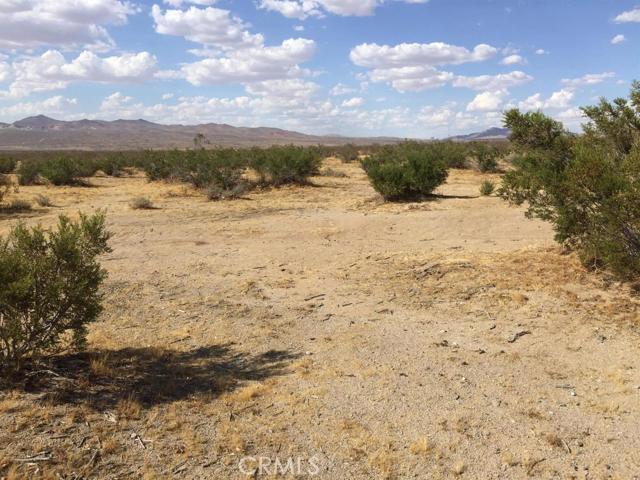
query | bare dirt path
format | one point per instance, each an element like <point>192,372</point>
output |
<point>362,339</point>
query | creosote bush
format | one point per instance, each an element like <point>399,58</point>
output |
<point>487,157</point>
<point>407,171</point>
<point>50,287</point>
<point>28,172</point>
<point>282,165</point>
<point>587,186</point>
<point>7,165</point>
<point>63,171</point>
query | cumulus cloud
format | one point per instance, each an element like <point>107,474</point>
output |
<point>341,89</point>
<point>27,24</point>
<point>541,51</point>
<point>588,79</point>
<point>302,9</point>
<point>353,102</point>
<point>373,55</point>
<point>412,66</point>
<point>559,99</point>
<point>51,71</point>
<point>493,82</point>
<point>630,16</point>
<point>208,26</point>
<point>513,60</point>
<point>252,64</point>
<point>487,101</point>
<point>618,39</point>
<point>57,106</point>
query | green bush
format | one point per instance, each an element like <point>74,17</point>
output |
<point>289,164</point>
<point>28,172</point>
<point>7,165</point>
<point>63,171</point>
<point>453,154</point>
<point>5,186</point>
<point>50,286</point>
<point>487,188</point>
<point>588,187</point>
<point>406,171</point>
<point>486,156</point>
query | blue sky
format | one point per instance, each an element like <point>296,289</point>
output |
<point>410,68</point>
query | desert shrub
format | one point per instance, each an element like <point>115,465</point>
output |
<point>5,186</point>
<point>142,203</point>
<point>17,205</point>
<point>406,171</point>
<point>50,286</point>
<point>486,157</point>
<point>218,192</point>
<point>28,172</point>
<point>347,153</point>
<point>588,187</point>
<point>487,187</point>
<point>112,164</point>
<point>289,164</point>
<point>43,200</point>
<point>63,171</point>
<point>7,165</point>
<point>453,154</point>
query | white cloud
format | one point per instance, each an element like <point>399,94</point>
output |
<point>630,16</point>
<point>412,66</point>
<point>559,99</point>
<point>353,102</point>
<point>513,60</point>
<point>180,3</point>
<point>588,79</point>
<point>27,24</point>
<point>51,71</point>
<point>418,54</point>
<point>341,89</point>
<point>57,105</point>
<point>541,51</point>
<point>487,101</point>
<point>493,82</point>
<point>618,39</point>
<point>208,26</point>
<point>168,96</point>
<point>252,64</point>
<point>301,9</point>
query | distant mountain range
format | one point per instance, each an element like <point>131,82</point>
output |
<point>494,133</point>
<point>44,133</point>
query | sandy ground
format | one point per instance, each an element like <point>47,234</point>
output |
<point>317,332</point>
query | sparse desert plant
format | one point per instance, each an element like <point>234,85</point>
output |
<point>18,206</point>
<point>43,200</point>
<point>487,187</point>
<point>217,192</point>
<point>330,172</point>
<point>142,203</point>
<point>588,187</point>
<point>5,186</point>
<point>51,283</point>
<point>7,165</point>
<point>406,172</point>
<point>289,164</point>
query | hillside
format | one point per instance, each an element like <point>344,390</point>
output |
<point>42,133</point>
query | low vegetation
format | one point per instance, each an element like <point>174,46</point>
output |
<point>587,186</point>
<point>7,165</point>
<point>487,187</point>
<point>50,288</point>
<point>142,203</point>
<point>408,171</point>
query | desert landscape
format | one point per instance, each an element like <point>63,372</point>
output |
<point>319,239</point>
<point>363,339</point>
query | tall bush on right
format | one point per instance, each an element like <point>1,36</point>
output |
<point>587,186</point>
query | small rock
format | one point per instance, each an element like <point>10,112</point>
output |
<point>601,338</point>
<point>517,335</point>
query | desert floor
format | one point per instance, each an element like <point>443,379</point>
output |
<point>320,325</point>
